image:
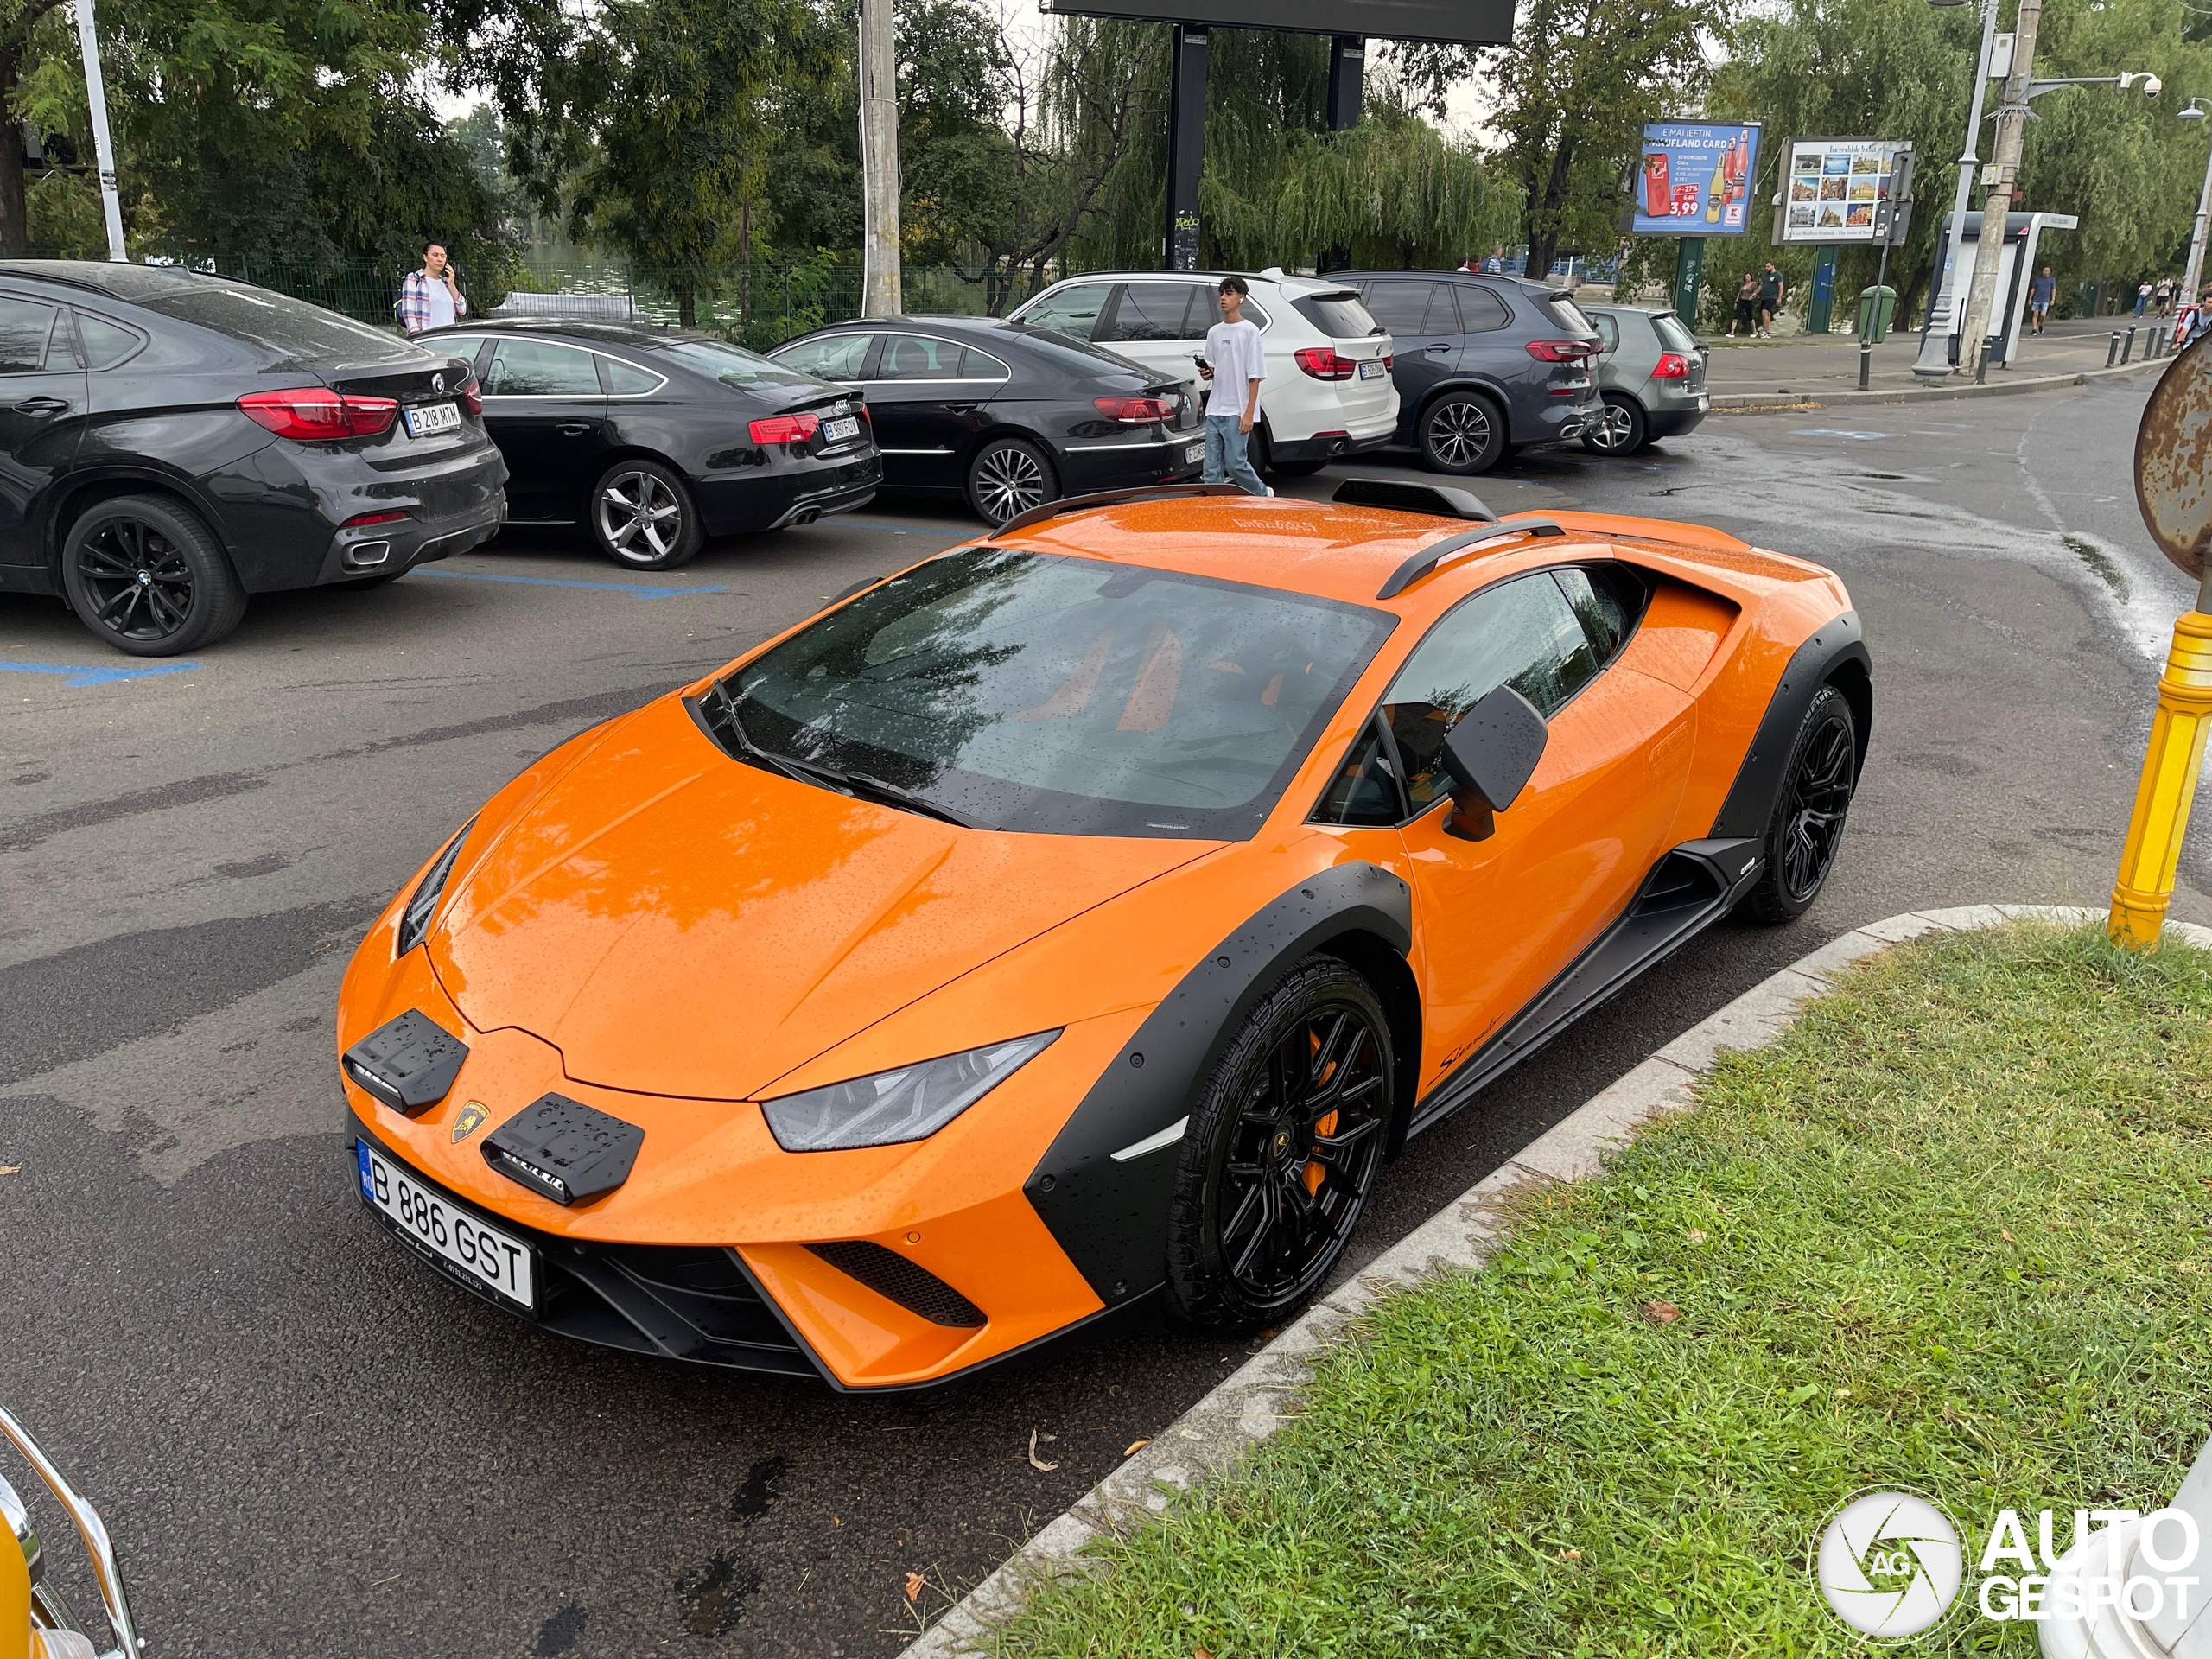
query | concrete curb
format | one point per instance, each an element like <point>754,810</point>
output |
<point>1249,1406</point>
<point>1726,402</point>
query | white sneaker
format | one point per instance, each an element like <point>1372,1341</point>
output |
<point>1271,491</point>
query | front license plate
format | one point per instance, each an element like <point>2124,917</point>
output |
<point>1193,452</point>
<point>503,1265</point>
<point>1372,370</point>
<point>838,431</point>
<point>427,419</point>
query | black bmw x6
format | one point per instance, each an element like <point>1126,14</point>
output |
<point>172,442</point>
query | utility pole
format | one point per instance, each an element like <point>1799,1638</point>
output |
<point>2012,132</point>
<point>2195,271</point>
<point>880,275</point>
<point>1935,359</point>
<point>103,146</point>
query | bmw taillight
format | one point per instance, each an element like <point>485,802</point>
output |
<point>472,397</point>
<point>1560,351</point>
<point>1673,366</point>
<point>1133,411</point>
<point>784,429</point>
<point>1326,363</point>
<point>315,414</point>
<point>1390,363</point>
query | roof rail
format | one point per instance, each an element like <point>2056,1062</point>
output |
<point>1434,554</point>
<point>1107,498</point>
<point>1440,499</point>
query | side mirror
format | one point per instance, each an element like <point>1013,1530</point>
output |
<point>1490,756</point>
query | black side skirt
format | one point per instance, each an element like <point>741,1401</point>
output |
<point>1694,885</point>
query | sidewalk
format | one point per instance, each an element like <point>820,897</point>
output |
<point>1819,363</point>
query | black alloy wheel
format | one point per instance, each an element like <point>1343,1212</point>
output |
<point>1462,433</point>
<point>1279,1157</point>
<point>1007,477</point>
<point>642,516</point>
<point>144,573</point>
<point>1618,429</point>
<point>1808,816</point>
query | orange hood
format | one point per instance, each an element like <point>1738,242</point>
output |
<point>678,923</point>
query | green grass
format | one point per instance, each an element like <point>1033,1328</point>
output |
<point>1950,1232</point>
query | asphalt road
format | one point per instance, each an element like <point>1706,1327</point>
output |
<point>308,1445</point>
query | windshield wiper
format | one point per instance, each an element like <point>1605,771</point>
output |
<point>724,713</point>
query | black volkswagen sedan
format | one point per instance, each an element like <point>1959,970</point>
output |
<point>654,439</point>
<point>1004,417</point>
<point>171,442</point>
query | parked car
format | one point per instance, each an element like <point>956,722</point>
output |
<point>1483,363</point>
<point>655,439</point>
<point>1330,813</point>
<point>1003,417</point>
<point>1651,374</point>
<point>176,442</point>
<point>1328,393</point>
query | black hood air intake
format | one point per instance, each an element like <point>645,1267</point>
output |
<point>564,1150</point>
<point>409,1062</point>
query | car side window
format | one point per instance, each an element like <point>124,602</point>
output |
<point>1153,311</point>
<point>627,379</point>
<point>539,368</point>
<point>1608,601</point>
<point>982,366</point>
<point>107,341</point>
<point>835,357</point>
<point>25,326</point>
<point>917,357</point>
<point>1522,633</point>
<point>1480,310</point>
<point>468,345</point>
<point>1072,310</point>
<point>1404,308</point>
<point>1609,330</point>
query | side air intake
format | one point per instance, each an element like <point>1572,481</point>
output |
<point>892,1275</point>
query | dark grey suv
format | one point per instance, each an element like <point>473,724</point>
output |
<point>1484,363</point>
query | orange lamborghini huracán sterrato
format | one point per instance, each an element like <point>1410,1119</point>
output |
<point>1080,917</point>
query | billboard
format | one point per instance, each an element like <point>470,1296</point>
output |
<point>1840,190</point>
<point>1696,178</point>
<point>1457,22</point>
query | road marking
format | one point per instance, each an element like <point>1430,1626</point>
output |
<point>898,529</point>
<point>1839,432</point>
<point>636,589</point>
<point>98,674</point>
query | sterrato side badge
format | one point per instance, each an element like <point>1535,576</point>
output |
<point>471,1120</point>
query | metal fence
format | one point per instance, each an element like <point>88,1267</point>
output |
<point>758,304</point>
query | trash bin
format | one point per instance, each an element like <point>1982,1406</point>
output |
<point>1876,307</point>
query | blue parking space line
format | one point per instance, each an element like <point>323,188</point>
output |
<point>635,589</point>
<point>98,673</point>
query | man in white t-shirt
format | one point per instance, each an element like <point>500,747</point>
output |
<point>1236,361</point>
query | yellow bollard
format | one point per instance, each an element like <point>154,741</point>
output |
<point>2163,798</point>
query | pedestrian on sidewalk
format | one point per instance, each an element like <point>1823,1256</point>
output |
<point>2142,298</point>
<point>2041,293</point>
<point>2200,319</point>
<point>2162,295</point>
<point>1773,289</point>
<point>431,297</point>
<point>1236,362</point>
<point>1747,305</point>
<point>1495,265</point>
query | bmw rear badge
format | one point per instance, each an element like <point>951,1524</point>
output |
<point>437,382</point>
<point>471,1120</point>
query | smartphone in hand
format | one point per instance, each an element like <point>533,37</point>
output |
<point>1205,368</point>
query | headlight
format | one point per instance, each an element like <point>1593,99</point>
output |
<point>908,1104</point>
<point>425,904</point>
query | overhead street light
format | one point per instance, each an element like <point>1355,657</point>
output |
<point>2195,269</point>
<point>1935,360</point>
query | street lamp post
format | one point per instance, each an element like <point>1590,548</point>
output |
<point>1935,360</point>
<point>2195,269</point>
<point>103,146</point>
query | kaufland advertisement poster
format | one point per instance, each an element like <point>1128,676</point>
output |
<point>1696,178</point>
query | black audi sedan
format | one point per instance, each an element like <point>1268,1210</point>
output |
<point>172,442</point>
<point>654,439</point>
<point>1004,417</point>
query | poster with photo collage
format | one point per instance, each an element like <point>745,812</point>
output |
<point>1834,189</point>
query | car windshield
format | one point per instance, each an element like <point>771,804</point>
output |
<point>732,366</point>
<point>1052,694</point>
<point>1566,313</point>
<point>1673,335</point>
<point>1340,316</point>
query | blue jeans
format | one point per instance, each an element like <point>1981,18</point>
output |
<point>1226,461</point>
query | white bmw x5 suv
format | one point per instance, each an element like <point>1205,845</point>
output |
<point>1328,391</point>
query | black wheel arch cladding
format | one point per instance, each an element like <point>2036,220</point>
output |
<point>1835,655</point>
<point>1111,1219</point>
